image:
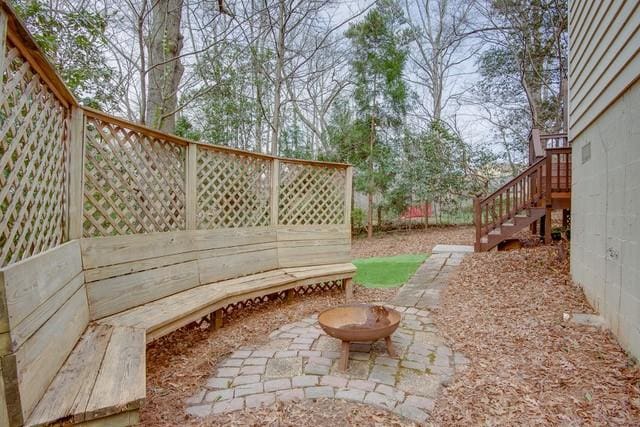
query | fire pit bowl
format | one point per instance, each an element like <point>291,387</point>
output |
<point>359,323</point>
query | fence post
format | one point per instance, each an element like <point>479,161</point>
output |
<point>191,187</point>
<point>76,174</point>
<point>348,194</point>
<point>477,221</point>
<point>275,190</point>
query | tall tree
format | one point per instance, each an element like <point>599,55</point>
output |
<point>164,44</point>
<point>523,68</point>
<point>379,58</point>
<point>441,47</point>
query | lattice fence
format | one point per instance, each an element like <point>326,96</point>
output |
<point>329,286</point>
<point>233,190</point>
<point>311,194</point>
<point>33,161</point>
<point>134,183</point>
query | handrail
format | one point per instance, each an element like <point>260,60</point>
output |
<point>523,191</point>
<point>510,182</point>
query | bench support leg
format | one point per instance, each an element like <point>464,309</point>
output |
<point>348,289</point>
<point>217,319</point>
<point>291,293</point>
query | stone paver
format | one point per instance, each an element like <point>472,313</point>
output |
<point>301,361</point>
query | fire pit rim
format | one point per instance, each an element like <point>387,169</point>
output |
<point>355,335</point>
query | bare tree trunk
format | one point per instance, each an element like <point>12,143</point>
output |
<point>165,69</point>
<point>372,138</point>
<point>277,89</point>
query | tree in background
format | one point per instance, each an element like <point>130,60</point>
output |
<point>164,45</point>
<point>523,68</point>
<point>440,167</point>
<point>74,39</point>
<point>379,58</point>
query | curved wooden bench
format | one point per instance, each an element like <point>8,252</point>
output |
<point>75,320</point>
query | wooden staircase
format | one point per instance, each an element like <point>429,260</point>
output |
<point>529,198</point>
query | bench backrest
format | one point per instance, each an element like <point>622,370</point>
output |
<point>43,312</point>
<point>123,272</point>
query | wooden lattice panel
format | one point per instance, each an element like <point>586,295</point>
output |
<point>33,161</point>
<point>329,286</point>
<point>233,190</point>
<point>311,194</point>
<point>134,183</point>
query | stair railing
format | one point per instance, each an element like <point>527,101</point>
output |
<point>522,192</point>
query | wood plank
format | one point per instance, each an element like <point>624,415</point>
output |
<point>76,174</point>
<point>275,191</point>
<point>170,310</point>
<point>296,256</point>
<point>103,251</point>
<point>41,356</point>
<point>123,419</point>
<point>121,383</point>
<point>229,237</point>
<point>313,232</point>
<point>68,395</point>
<point>27,327</point>
<point>348,196</point>
<point>120,293</point>
<point>217,268</point>
<point>29,283</point>
<point>191,184</point>
<point>307,272</point>
<point>108,271</point>
<point>4,412</point>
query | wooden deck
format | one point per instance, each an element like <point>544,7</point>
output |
<point>529,198</point>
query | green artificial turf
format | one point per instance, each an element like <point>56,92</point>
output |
<point>386,272</point>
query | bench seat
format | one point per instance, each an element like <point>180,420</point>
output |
<point>103,377</point>
<point>165,315</point>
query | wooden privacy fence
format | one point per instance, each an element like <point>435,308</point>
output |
<point>69,172</point>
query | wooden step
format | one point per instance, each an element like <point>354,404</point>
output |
<point>103,376</point>
<point>509,228</point>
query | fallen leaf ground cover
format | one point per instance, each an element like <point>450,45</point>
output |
<point>411,241</point>
<point>504,311</point>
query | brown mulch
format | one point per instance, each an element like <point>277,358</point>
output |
<point>504,311</point>
<point>317,413</point>
<point>411,241</point>
<point>180,363</point>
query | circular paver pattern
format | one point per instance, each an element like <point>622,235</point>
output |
<point>301,362</point>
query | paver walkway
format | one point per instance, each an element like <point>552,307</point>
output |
<point>301,362</point>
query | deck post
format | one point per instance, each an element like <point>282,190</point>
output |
<point>76,174</point>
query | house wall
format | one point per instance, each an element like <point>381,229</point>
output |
<point>604,116</point>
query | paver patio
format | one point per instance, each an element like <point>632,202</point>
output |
<point>301,362</point>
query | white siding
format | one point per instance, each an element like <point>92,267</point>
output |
<point>604,56</point>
